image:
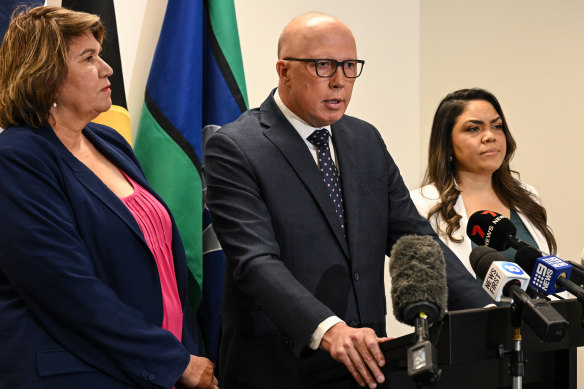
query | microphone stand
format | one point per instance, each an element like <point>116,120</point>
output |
<point>517,366</point>
<point>516,361</point>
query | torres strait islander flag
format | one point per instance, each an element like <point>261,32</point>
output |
<point>196,84</point>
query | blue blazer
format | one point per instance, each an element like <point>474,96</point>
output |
<point>288,264</point>
<point>80,296</point>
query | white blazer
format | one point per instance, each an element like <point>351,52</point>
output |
<point>427,197</point>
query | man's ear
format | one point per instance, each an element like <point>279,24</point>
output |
<point>283,71</point>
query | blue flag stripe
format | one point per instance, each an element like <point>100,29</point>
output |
<point>175,83</point>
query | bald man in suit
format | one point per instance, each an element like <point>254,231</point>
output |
<point>305,263</point>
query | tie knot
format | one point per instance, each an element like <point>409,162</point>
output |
<point>319,138</point>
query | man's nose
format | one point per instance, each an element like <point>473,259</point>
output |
<point>338,79</point>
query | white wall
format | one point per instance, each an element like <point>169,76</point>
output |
<point>139,24</point>
<point>527,52</point>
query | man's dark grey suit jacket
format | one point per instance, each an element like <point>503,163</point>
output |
<point>288,264</point>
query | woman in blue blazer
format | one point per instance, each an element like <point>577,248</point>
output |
<point>84,295</point>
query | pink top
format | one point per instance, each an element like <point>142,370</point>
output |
<point>155,224</point>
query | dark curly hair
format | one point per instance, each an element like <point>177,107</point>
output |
<point>442,172</point>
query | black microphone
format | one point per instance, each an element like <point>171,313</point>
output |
<point>488,228</point>
<point>476,258</point>
<point>498,276</point>
<point>577,273</point>
<point>549,273</point>
<point>483,266</point>
<point>419,295</point>
<point>508,279</point>
<point>527,257</point>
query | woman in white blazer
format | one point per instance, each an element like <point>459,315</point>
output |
<point>468,170</point>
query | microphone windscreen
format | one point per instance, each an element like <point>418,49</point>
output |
<point>418,274</point>
<point>481,258</point>
<point>526,258</point>
<point>488,228</point>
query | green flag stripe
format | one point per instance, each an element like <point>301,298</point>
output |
<point>224,41</point>
<point>172,132</point>
<point>172,174</point>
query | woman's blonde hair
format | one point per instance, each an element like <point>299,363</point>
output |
<point>33,60</point>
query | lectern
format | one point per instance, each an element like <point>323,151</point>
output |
<point>469,344</point>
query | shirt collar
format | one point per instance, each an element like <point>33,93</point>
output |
<point>303,128</point>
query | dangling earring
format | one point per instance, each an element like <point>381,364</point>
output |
<point>450,159</point>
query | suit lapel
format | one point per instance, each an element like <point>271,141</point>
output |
<point>93,184</point>
<point>129,165</point>
<point>281,133</point>
<point>343,142</point>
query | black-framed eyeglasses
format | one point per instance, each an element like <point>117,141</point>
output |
<point>327,67</point>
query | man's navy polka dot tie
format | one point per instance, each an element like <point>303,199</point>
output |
<point>329,171</point>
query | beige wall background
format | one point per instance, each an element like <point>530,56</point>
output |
<point>527,52</point>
